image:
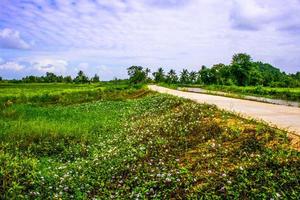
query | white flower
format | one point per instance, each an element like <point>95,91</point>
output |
<point>278,195</point>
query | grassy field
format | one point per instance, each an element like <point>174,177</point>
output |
<point>291,94</point>
<point>99,142</point>
<point>53,93</point>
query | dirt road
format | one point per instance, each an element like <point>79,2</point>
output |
<point>284,117</point>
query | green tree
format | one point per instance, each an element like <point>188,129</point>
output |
<point>59,79</point>
<point>159,76</point>
<point>193,77</point>
<point>147,71</point>
<point>81,78</point>
<point>220,74</point>
<point>184,77</point>
<point>96,79</point>
<point>137,74</point>
<point>68,79</point>
<point>30,79</point>
<point>240,68</point>
<point>205,75</point>
<point>50,77</point>
<point>171,77</point>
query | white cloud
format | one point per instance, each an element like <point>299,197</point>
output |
<point>172,33</point>
<point>50,65</point>
<point>11,39</point>
<point>256,14</point>
<point>82,66</point>
<point>102,70</point>
<point>11,66</point>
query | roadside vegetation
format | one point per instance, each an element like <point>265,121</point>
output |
<point>292,94</point>
<point>124,142</point>
<point>242,77</point>
<point>289,94</point>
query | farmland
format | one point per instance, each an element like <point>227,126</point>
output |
<point>73,141</point>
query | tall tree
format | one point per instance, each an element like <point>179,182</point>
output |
<point>50,77</point>
<point>68,79</point>
<point>147,71</point>
<point>159,76</point>
<point>96,79</point>
<point>205,75</point>
<point>81,78</point>
<point>171,77</point>
<point>184,76</point>
<point>137,74</point>
<point>241,64</point>
<point>193,77</point>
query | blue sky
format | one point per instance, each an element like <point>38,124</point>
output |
<point>107,36</point>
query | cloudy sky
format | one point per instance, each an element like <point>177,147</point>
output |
<point>107,36</point>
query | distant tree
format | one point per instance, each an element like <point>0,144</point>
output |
<point>68,79</point>
<point>255,76</point>
<point>137,74</point>
<point>297,76</point>
<point>193,77</point>
<point>171,77</point>
<point>147,71</point>
<point>184,76</point>
<point>96,79</point>
<point>241,59</point>
<point>30,79</point>
<point>59,79</point>
<point>219,74</point>
<point>240,66</point>
<point>50,77</point>
<point>205,75</point>
<point>199,81</point>
<point>159,76</point>
<point>81,78</point>
<point>0,78</point>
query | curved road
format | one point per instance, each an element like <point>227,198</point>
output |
<point>283,117</point>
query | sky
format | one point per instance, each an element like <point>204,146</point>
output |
<point>108,36</point>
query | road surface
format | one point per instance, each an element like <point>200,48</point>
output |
<point>283,117</point>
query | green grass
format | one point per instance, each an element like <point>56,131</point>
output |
<point>138,144</point>
<point>291,94</point>
<point>62,93</point>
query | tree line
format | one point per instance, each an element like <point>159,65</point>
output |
<point>53,78</point>
<point>242,71</point>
